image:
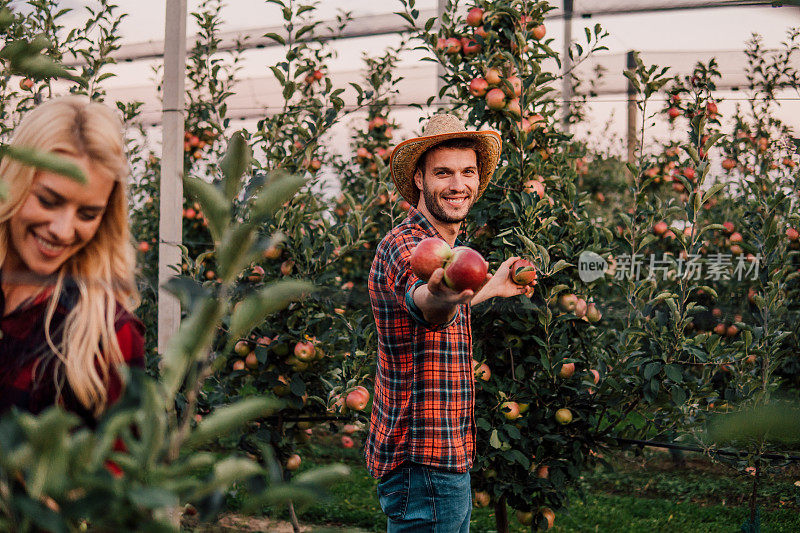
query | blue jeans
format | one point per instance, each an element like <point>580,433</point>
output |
<point>422,499</point>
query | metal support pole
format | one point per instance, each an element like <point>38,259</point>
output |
<point>171,189</point>
<point>566,62</point>
<point>440,72</point>
<point>631,130</point>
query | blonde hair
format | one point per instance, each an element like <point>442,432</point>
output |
<point>103,270</point>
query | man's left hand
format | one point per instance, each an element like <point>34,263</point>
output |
<point>500,284</point>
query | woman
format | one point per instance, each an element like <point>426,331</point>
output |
<point>67,265</point>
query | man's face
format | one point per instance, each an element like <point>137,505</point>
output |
<point>450,183</point>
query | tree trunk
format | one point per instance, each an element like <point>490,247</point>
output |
<point>501,515</point>
<point>293,518</point>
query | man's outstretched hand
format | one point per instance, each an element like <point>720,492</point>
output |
<point>501,285</point>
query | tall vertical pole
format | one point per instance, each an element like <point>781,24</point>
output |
<point>631,130</point>
<point>169,225</point>
<point>440,7</point>
<point>566,62</point>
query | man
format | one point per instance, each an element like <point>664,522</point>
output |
<point>422,433</point>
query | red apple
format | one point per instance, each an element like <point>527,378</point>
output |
<point>470,46</point>
<point>580,308</point>
<point>347,442</point>
<point>792,234</point>
<point>729,164</point>
<point>539,32</point>
<point>689,173</point>
<point>549,516</point>
<point>673,112</point>
<point>144,246</point>
<point>736,237</point>
<point>251,361</point>
<point>475,17</point>
<point>514,108</point>
<point>543,472</point>
<point>453,45</point>
<point>466,269</point>
<point>287,267</point>
<point>496,99</point>
<point>481,371</point>
<point>26,84</point>
<point>510,410</point>
<point>593,314</point>
<point>729,227</point>
<point>660,228</point>
<point>478,87</point>
<point>304,351</point>
<point>428,255</point>
<point>241,348</point>
<point>534,187</point>
<point>567,369</point>
<point>567,302</point>
<point>482,499</point>
<point>563,416</point>
<point>711,109</point>
<point>492,76</point>
<point>595,376</point>
<point>720,329</point>
<point>238,364</point>
<point>293,462</point>
<point>523,272</point>
<point>358,398</point>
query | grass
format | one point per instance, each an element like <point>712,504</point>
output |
<point>632,498</point>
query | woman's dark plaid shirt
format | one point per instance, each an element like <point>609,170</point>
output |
<point>424,387</point>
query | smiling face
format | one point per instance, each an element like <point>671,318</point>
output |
<point>449,185</point>
<point>57,219</point>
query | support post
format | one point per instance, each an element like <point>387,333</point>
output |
<point>631,129</point>
<point>171,187</point>
<point>440,7</point>
<point>566,62</point>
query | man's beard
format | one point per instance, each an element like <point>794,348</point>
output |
<point>438,212</point>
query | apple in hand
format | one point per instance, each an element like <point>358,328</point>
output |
<point>523,272</point>
<point>429,254</point>
<point>466,269</point>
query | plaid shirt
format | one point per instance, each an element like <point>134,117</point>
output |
<point>424,387</point>
<point>23,349</point>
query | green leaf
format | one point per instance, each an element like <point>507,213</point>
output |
<point>673,372</point>
<point>44,160</point>
<point>153,497</point>
<point>651,369</point>
<point>235,162</point>
<point>273,195</point>
<point>270,299</point>
<point>230,417</point>
<point>678,395</point>
<point>235,250</point>
<point>216,208</point>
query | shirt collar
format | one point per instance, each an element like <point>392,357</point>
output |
<point>415,216</point>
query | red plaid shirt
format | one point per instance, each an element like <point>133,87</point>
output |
<point>23,349</point>
<point>424,387</point>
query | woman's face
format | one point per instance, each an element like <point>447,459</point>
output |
<point>57,219</point>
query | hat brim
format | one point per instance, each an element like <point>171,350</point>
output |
<point>403,163</point>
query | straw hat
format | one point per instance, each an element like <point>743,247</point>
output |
<point>441,127</point>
